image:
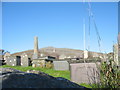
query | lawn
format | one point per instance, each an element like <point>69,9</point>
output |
<point>64,74</point>
<point>54,73</point>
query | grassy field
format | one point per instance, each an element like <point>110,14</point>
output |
<point>64,74</point>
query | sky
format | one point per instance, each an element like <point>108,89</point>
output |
<point>58,24</point>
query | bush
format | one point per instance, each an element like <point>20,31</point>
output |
<point>109,75</point>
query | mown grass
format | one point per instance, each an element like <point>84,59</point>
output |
<point>52,72</point>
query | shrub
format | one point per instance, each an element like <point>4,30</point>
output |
<point>109,75</point>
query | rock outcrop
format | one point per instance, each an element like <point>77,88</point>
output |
<point>12,78</point>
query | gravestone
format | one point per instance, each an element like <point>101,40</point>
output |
<point>61,65</point>
<point>119,47</point>
<point>62,56</point>
<point>38,63</point>
<point>84,73</point>
<point>25,60</point>
<point>13,60</point>
<point>85,54</point>
<point>115,49</point>
<point>6,54</point>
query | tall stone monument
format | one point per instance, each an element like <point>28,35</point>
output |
<point>35,55</point>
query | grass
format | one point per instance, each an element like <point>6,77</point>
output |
<point>54,73</point>
<point>88,85</point>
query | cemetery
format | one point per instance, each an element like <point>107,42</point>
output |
<point>74,52</point>
<point>81,70</point>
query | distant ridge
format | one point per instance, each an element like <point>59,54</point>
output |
<point>53,51</point>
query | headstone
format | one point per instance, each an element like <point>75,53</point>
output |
<point>119,47</point>
<point>6,54</point>
<point>85,54</point>
<point>38,63</point>
<point>25,60</point>
<point>61,65</point>
<point>54,50</point>
<point>41,54</point>
<point>62,56</point>
<point>84,73</point>
<point>115,49</point>
<point>35,55</point>
<point>13,60</point>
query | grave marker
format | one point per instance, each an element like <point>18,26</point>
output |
<point>61,65</point>
<point>84,73</point>
<point>25,60</point>
<point>13,60</point>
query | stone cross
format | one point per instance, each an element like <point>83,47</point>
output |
<point>35,55</point>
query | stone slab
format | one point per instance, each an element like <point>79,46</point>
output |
<point>13,60</point>
<point>84,73</point>
<point>61,65</point>
<point>25,60</point>
<point>38,63</point>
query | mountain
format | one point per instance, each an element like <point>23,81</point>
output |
<point>60,52</point>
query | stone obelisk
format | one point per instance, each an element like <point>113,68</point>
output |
<point>35,55</point>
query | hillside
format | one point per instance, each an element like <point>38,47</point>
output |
<point>59,52</point>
